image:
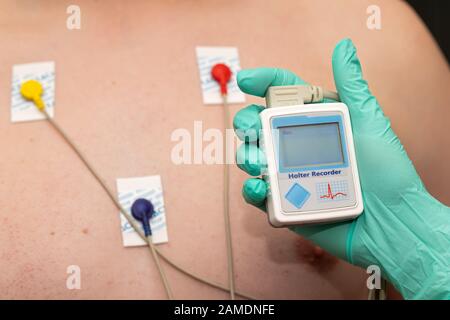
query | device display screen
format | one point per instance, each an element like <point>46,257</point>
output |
<point>310,145</point>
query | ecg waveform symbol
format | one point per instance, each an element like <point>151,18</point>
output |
<point>332,191</point>
<point>331,195</point>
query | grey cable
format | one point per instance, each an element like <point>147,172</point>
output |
<point>331,95</point>
<point>226,197</point>
<point>159,267</point>
<point>111,195</point>
<point>128,218</point>
<point>283,96</point>
<point>378,294</point>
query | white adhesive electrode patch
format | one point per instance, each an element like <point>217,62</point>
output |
<point>25,110</point>
<point>150,188</point>
<point>207,57</point>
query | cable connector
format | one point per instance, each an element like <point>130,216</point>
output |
<point>282,96</point>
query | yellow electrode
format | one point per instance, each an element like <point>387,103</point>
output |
<point>32,90</point>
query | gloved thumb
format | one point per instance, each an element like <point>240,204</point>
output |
<point>353,90</point>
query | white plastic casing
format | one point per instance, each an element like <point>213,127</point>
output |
<point>280,214</point>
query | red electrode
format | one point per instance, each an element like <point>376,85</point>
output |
<point>222,74</point>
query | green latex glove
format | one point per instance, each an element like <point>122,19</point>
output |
<point>403,229</point>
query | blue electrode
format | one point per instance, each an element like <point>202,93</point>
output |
<point>142,210</point>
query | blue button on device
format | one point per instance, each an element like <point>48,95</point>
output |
<point>297,195</point>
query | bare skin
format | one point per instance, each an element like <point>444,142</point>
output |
<point>126,80</point>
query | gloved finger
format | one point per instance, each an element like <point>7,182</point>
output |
<point>247,123</point>
<point>334,237</point>
<point>251,159</point>
<point>354,91</point>
<point>254,192</point>
<point>256,81</point>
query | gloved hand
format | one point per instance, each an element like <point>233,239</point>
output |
<point>403,229</point>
